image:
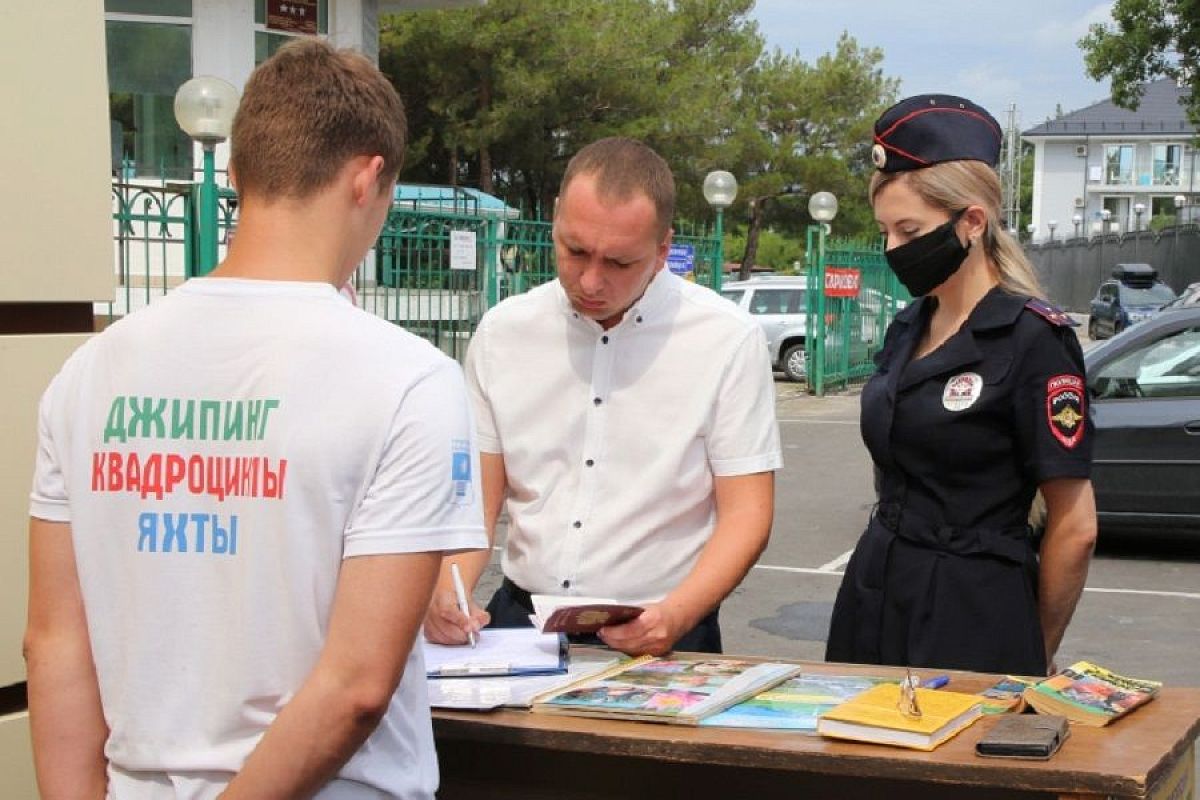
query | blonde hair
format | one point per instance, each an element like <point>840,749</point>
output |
<point>955,185</point>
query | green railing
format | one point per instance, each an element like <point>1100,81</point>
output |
<point>154,239</point>
<point>434,273</point>
<point>431,274</point>
<point>152,242</point>
<point>852,298</point>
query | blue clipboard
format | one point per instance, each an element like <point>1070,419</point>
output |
<point>499,651</point>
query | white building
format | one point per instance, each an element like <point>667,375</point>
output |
<point>1102,158</point>
<point>155,45</point>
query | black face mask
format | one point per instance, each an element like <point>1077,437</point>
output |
<point>927,261</point>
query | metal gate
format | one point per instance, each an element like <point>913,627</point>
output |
<point>433,272</point>
<point>852,298</point>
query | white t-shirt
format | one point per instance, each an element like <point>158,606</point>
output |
<point>218,454</point>
<point>611,439</point>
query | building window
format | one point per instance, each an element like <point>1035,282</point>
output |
<point>157,8</point>
<point>149,46</point>
<point>1118,164</point>
<point>1120,213</point>
<point>266,41</point>
<point>1168,164</point>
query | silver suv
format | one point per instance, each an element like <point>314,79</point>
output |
<point>779,304</point>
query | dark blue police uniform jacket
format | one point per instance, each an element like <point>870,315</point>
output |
<point>946,574</point>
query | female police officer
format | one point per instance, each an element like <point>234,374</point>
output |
<point>979,401</point>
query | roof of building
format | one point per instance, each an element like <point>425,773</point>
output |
<point>1161,111</point>
<point>452,200</point>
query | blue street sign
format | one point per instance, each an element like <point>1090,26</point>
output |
<point>681,258</point>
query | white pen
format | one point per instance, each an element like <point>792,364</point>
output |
<point>461,592</point>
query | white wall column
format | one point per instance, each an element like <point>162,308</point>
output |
<point>222,45</point>
<point>355,24</point>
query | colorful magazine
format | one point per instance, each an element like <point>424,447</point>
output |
<point>675,690</point>
<point>794,704</point>
<point>1090,695</point>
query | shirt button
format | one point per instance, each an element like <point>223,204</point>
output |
<point>639,319</point>
<point>590,463</point>
<point>604,339</point>
<point>566,584</point>
<point>597,400</point>
<point>576,524</point>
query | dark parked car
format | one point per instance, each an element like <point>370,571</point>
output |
<point>1134,294</point>
<point>1145,392</point>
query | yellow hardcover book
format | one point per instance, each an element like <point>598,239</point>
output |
<point>875,716</point>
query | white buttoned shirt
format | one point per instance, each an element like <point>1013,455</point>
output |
<point>611,439</point>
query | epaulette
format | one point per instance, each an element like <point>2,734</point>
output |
<point>1052,314</point>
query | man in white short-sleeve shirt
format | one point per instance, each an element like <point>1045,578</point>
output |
<point>243,493</point>
<point>626,420</point>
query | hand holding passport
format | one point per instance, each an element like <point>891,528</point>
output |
<point>564,614</point>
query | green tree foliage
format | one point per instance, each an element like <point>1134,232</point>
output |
<point>1148,39</point>
<point>776,251</point>
<point>502,95</point>
<point>808,128</point>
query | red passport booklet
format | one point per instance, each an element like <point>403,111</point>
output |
<point>566,614</point>
<point>588,618</point>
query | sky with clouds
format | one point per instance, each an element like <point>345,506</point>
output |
<point>995,53</point>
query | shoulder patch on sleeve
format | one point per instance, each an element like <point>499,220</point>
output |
<point>1065,409</point>
<point>1052,314</point>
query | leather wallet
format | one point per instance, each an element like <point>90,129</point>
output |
<point>1036,736</point>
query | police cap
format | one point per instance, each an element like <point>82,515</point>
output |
<point>931,128</point>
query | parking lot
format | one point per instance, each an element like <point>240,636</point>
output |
<point>1139,615</point>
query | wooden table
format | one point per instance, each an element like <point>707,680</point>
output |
<point>516,754</point>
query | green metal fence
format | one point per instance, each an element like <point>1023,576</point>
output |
<point>436,273</point>
<point>154,230</point>
<point>152,242</point>
<point>852,298</point>
<point>432,272</point>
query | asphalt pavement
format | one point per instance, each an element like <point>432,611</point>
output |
<point>1140,613</point>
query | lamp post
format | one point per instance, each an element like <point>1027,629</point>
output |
<point>720,189</point>
<point>1078,220</point>
<point>1031,229</point>
<point>204,108</point>
<point>1105,216</point>
<point>1180,202</point>
<point>1052,224</point>
<point>822,207</point>
<point>1138,210</point>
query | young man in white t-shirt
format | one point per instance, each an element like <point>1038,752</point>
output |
<point>244,491</point>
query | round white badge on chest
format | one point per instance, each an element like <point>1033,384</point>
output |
<point>962,391</point>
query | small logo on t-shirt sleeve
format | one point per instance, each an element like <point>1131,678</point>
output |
<point>460,470</point>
